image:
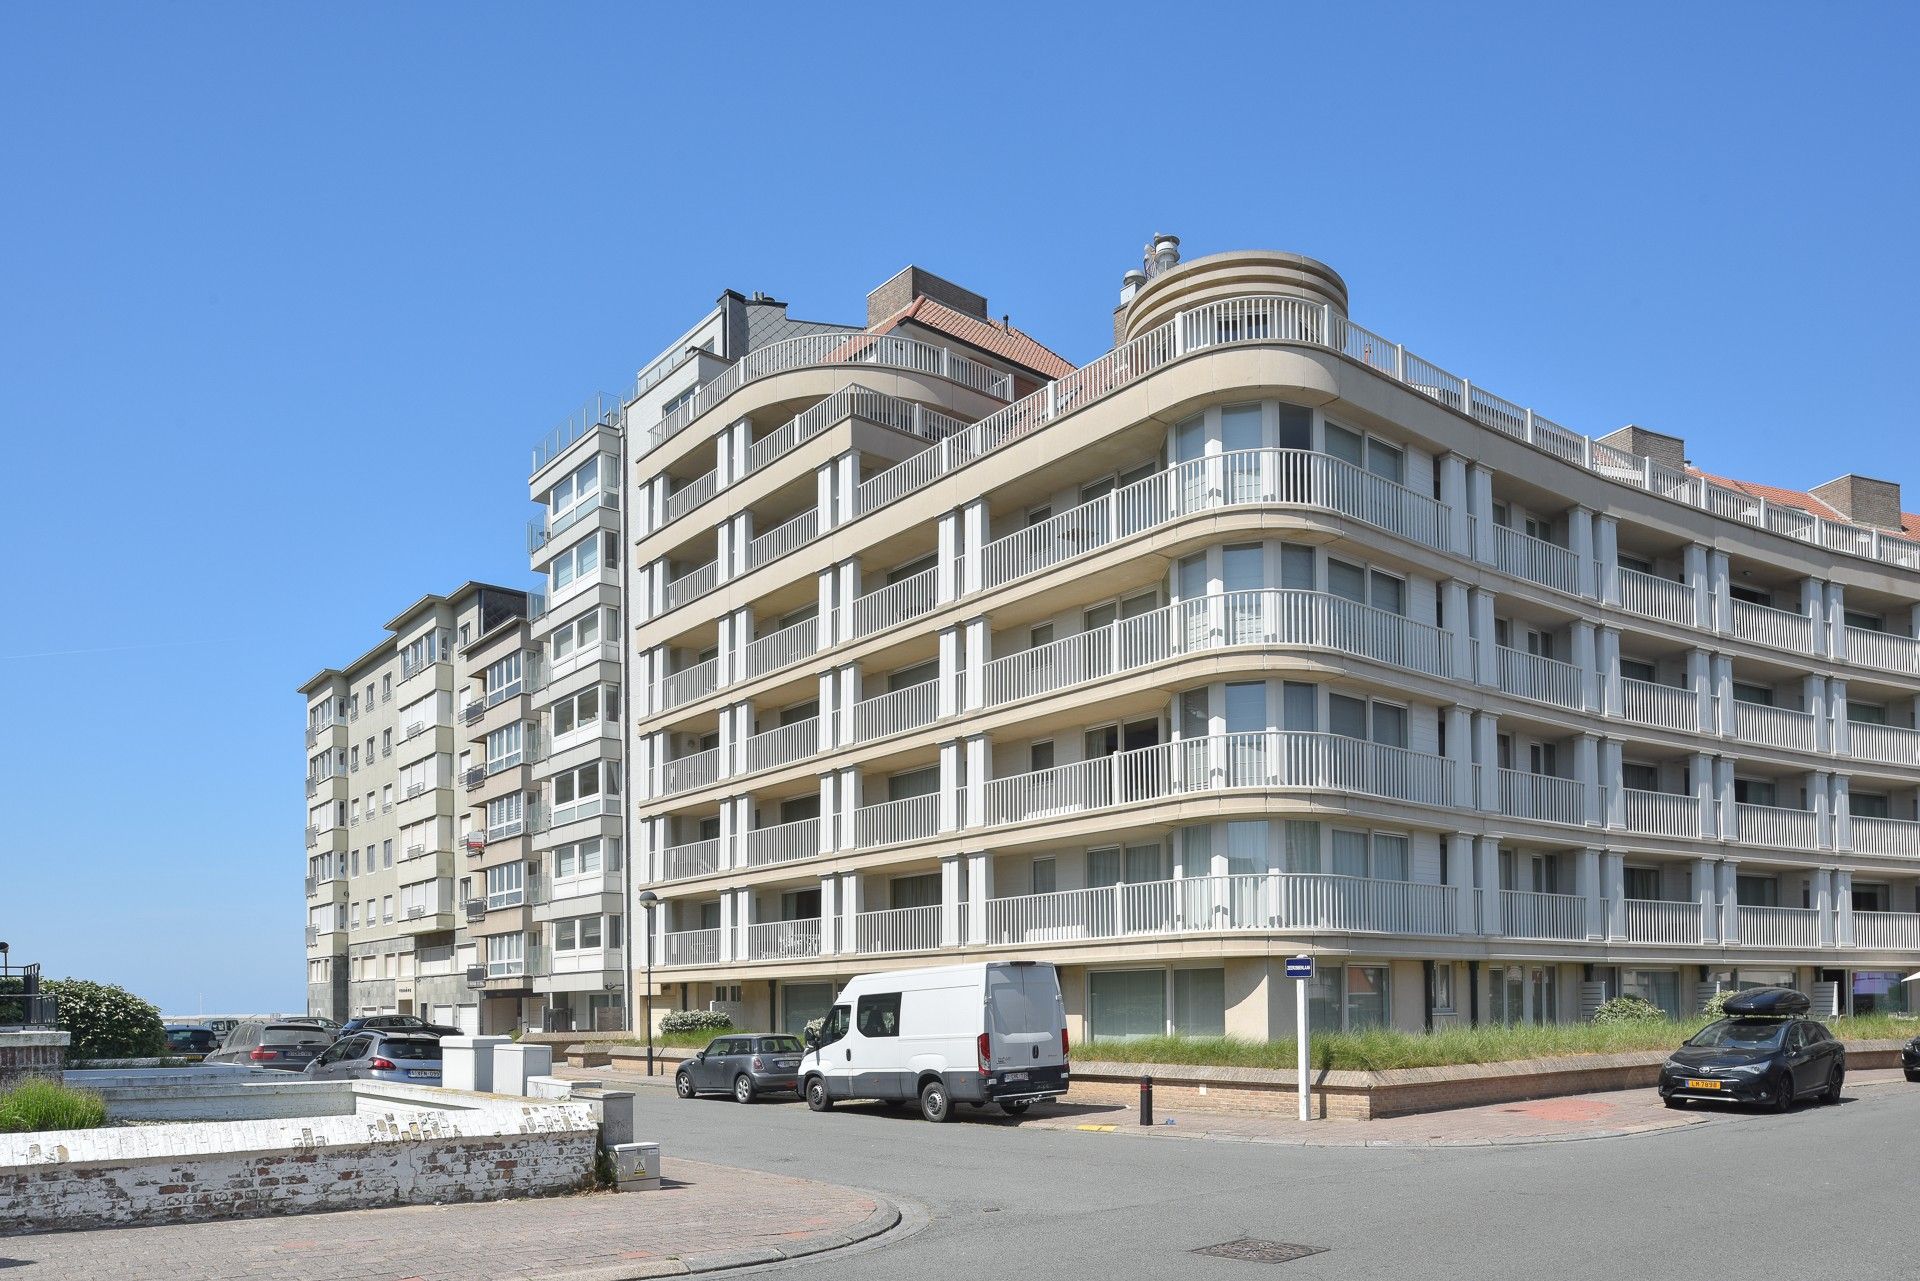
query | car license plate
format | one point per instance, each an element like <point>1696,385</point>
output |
<point>1016,1076</point>
<point>1702,1085</point>
<point>787,1064</point>
<point>424,1075</point>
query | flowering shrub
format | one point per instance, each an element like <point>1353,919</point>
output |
<point>1629,1009</point>
<point>695,1021</point>
<point>107,1022</point>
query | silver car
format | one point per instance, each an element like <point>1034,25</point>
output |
<point>404,1058</point>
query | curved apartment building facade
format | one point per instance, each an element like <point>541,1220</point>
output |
<point>1260,635</point>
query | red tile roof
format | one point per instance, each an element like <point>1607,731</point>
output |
<point>1004,341</point>
<point>1909,521</point>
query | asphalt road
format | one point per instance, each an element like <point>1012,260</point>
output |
<point>1821,1191</point>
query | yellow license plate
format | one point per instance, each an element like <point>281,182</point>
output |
<point>1703,1085</point>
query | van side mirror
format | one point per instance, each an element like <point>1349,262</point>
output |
<point>812,1039</point>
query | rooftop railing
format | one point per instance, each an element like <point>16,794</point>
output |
<point>601,409</point>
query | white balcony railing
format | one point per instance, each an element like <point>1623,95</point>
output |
<point>690,683</point>
<point>1890,744</point>
<point>1657,598</point>
<point>1542,797</point>
<point>683,774</point>
<point>1771,825</point>
<point>1895,836</point>
<point>694,583</point>
<point>1544,680</point>
<point>781,843</point>
<point>1887,931</point>
<point>782,745</point>
<point>1779,927</point>
<point>1526,914</point>
<point>1666,706</point>
<point>783,538</point>
<point>690,947</point>
<point>1775,726</point>
<point>1663,921</point>
<point>778,649</point>
<point>911,818</point>
<point>1535,559</point>
<point>1775,628</point>
<point>899,929</point>
<point>695,858</point>
<point>1661,813</point>
<point>1884,651</point>
<point>896,712</point>
<point>899,602</point>
<point>692,494</point>
<point>783,940</point>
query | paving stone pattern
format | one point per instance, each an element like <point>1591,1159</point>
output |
<point>705,1216</point>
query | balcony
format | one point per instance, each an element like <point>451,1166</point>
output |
<point>1535,559</point>
<point>1661,814</point>
<point>696,858</point>
<point>1528,914</point>
<point>783,940</point>
<point>781,843</point>
<point>1883,651</point>
<point>1663,706</point>
<point>1887,931</point>
<point>1664,921</point>
<point>1544,680</point>
<point>690,947</point>
<point>1779,828</point>
<point>1776,726</point>
<point>1779,927</point>
<point>1888,744</point>
<point>1661,599</point>
<point>1774,628</point>
<point>1893,836</point>
<point>1542,797</point>
<point>899,929</point>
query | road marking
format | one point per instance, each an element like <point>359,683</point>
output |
<point>1097,1129</point>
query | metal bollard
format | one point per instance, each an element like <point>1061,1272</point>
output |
<point>1146,1100</point>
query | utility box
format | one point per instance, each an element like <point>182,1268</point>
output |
<point>514,1063</point>
<point>636,1167</point>
<point>466,1062</point>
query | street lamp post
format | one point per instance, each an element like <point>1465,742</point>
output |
<point>650,902</point>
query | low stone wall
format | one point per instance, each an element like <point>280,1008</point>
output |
<point>32,1053</point>
<point>401,1146</point>
<point>1363,1096</point>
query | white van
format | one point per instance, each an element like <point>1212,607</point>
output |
<point>989,1032</point>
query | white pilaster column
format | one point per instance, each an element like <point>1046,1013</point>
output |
<point>827,709</point>
<point>729,835</point>
<point>730,930</point>
<point>846,591</point>
<point>975,653</point>
<point>1593,902</point>
<point>948,545</point>
<point>1586,657</point>
<point>830,918</point>
<point>973,527</point>
<point>1840,806</point>
<point>844,699</point>
<point>850,798</point>
<point>979,772</point>
<point>727,554</point>
<point>1580,542</point>
<point>953,764</point>
<point>1481,604</point>
<point>1487,869</point>
<point>648,840</point>
<point>1693,561</point>
<point>1720,578</point>
<point>1460,867</point>
<point>824,505</point>
<point>1813,604</point>
<point>829,822</point>
<point>846,485</point>
<point>1839,728</point>
<point>1813,701</point>
<point>947,702</point>
<point>1729,896</point>
<point>722,461</point>
<point>1607,558</point>
<point>1486,754</point>
<point>1480,504</point>
<point>827,625</point>
<point>1610,784</point>
<point>1611,698</point>
<point>1459,726</point>
<point>1843,907</point>
<point>853,902</point>
<point>951,907</point>
<point>1723,694</point>
<point>1453,493</point>
<point>1820,798</point>
<point>1586,768</point>
<point>742,523</point>
<point>1822,884</point>
<point>1700,777</point>
<point>1837,620</point>
<point>1456,608</point>
<point>1613,885</point>
<point>979,894</point>
<point>1706,892</point>
<point>1724,791</point>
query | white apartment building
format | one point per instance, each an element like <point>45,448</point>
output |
<point>383,815</point>
<point>1259,635</point>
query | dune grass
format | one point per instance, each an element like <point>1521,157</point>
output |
<point>38,1104</point>
<point>1380,1049</point>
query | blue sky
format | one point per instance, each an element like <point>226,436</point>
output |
<point>287,292</point>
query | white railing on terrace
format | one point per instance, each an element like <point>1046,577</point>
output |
<point>1663,921</point>
<point>692,494</point>
<point>1668,706</point>
<point>696,858</point>
<point>694,682</point>
<point>1777,628</point>
<point>1661,813</point>
<point>853,401</point>
<point>783,940</point>
<point>1653,597</point>
<point>1887,931</point>
<point>1890,744</point>
<point>1883,650</point>
<point>1777,826</point>
<point>780,649</point>
<point>693,583</point>
<point>782,745</point>
<point>1544,680</point>
<point>895,603</point>
<point>1896,836</point>
<point>1542,797</point>
<point>1779,926</point>
<point>688,772</point>
<point>781,843</point>
<point>896,712</point>
<point>1528,914</point>
<point>601,409</point>
<point>897,929</point>
<point>1535,559</point>
<point>911,818</point>
<point>849,347</point>
<point>1268,759</point>
<point>1775,726</point>
<point>783,538</point>
<point>690,947</point>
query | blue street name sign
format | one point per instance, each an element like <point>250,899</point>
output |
<point>1299,967</point>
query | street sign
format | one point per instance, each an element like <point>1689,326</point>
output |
<point>1299,967</point>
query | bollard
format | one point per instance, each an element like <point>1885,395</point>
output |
<point>1146,1100</point>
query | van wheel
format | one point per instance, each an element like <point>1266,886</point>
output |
<point>683,1085</point>
<point>934,1103</point>
<point>818,1100</point>
<point>1016,1109</point>
<point>743,1090</point>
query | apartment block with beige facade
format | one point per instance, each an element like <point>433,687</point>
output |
<point>385,814</point>
<point>1259,635</point>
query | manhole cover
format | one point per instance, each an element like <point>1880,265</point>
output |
<point>1254,1250</point>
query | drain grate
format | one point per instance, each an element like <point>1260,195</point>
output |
<point>1254,1250</point>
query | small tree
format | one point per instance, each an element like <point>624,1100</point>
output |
<point>107,1022</point>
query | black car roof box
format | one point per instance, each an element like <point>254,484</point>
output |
<point>1782,1002</point>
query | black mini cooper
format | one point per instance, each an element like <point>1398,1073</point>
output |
<point>1765,1051</point>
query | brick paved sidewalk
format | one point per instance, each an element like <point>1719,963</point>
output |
<point>704,1217</point>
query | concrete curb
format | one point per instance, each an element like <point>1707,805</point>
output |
<point>883,1219</point>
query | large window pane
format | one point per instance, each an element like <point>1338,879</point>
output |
<point>1200,1002</point>
<point>1246,707</point>
<point>1349,853</point>
<point>1125,1005</point>
<point>1240,427</point>
<point>1366,996</point>
<point>1347,716</point>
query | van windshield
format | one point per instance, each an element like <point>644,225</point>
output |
<point>1023,999</point>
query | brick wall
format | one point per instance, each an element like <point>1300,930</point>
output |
<point>25,1054</point>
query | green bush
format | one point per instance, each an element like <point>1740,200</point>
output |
<point>38,1104</point>
<point>1716,1006</point>
<point>695,1021</point>
<point>1628,1009</point>
<point>107,1022</point>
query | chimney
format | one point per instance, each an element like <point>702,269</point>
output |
<point>917,282</point>
<point>1863,500</point>
<point>1668,451</point>
<point>1163,255</point>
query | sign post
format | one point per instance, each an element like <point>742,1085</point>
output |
<point>1300,969</point>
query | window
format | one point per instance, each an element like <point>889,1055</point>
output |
<point>1866,713</point>
<point>1755,791</point>
<point>878,1015</point>
<point>420,775</point>
<point>506,816</point>
<point>1127,1005</point>
<point>577,793</point>
<point>1640,778</point>
<point>506,885</point>
<point>503,679</point>
<point>386,908</point>
<point>1642,883</point>
<point>505,747</point>
<point>1043,875</point>
<point>578,561</point>
<point>1351,717</point>
<point>1366,997</point>
<point>1757,891</point>
<point>1634,670</point>
<point>1659,987</point>
<point>581,634</point>
<point>1440,990</point>
<point>1379,855</point>
<point>386,852</point>
<point>1200,1002</point>
<point>1385,461</point>
<point>583,710</point>
<point>1865,622</point>
<point>574,495</point>
<point>506,955</point>
<point>1869,805</point>
<point>1758,694</point>
<point>586,858</point>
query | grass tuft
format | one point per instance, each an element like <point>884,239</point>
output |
<point>38,1104</point>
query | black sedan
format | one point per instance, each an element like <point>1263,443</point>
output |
<point>1910,1059</point>
<point>1763,1052</point>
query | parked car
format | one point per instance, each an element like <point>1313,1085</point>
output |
<point>989,1032</point>
<point>744,1065</point>
<point>1910,1059</point>
<point>1765,1051</point>
<point>191,1040</point>
<point>318,1020</point>
<point>406,1057</point>
<point>394,1023</point>
<point>223,1028</point>
<point>283,1047</point>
